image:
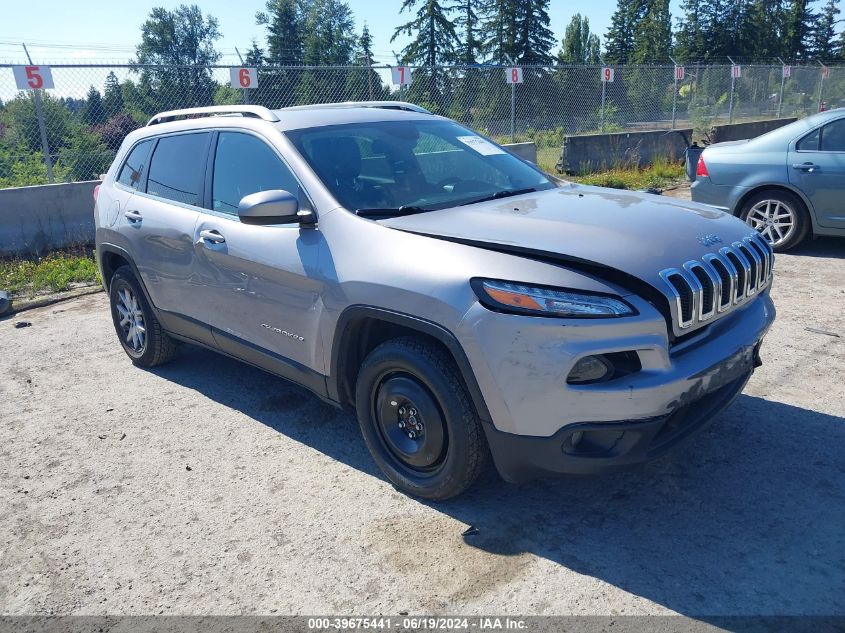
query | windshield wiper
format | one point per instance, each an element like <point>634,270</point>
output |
<point>506,193</point>
<point>390,212</point>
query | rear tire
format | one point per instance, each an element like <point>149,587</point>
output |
<point>138,329</point>
<point>779,216</point>
<point>417,419</point>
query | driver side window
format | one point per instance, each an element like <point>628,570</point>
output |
<point>244,164</point>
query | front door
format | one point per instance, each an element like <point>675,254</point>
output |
<point>261,287</point>
<point>817,167</point>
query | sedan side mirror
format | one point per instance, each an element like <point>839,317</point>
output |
<point>275,206</point>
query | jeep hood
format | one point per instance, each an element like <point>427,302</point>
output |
<point>635,233</point>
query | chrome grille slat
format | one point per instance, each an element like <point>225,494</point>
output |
<point>703,289</point>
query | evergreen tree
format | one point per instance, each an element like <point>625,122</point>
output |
<point>467,21</point>
<point>113,96</point>
<point>798,24</point>
<point>183,38</point>
<point>690,36</point>
<point>255,55</point>
<point>93,113</point>
<point>499,30</point>
<point>823,35</point>
<point>652,35</point>
<point>329,41</point>
<point>435,39</point>
<point>579,44</point>
<point>518,30</point>
<point>619,41</point>
<point>284,32</point>
<point>364,84</point>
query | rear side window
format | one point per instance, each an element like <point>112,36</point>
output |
<point>177,166</point>
<point>809,143</point>
<point>133,168</point>
<point>833,136</point>
<point>244,164</point>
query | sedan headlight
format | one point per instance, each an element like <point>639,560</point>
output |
<point>507,296</point>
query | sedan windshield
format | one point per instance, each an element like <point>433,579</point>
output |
<point>396,167</point>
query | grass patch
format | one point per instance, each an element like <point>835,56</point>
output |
<point>657,176</point>
<point>53,273</point>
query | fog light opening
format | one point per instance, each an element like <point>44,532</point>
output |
<point>590,369</point>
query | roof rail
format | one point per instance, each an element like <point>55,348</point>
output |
<point>386,105</point>
<point>257,112</point>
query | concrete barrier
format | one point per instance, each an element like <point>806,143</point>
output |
<point>37,219</point>
<point>742,131</point>
<point>595,152</point>
<point>526,151</point>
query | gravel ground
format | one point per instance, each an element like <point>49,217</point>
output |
<point>206,486</point>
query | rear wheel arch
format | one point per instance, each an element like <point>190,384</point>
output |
<point>808,208</point>
<point>360,329</point>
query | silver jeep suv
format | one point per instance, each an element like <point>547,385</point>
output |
<point>464,303</point>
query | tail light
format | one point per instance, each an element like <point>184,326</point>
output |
<point>701,168</point>
<point>96,192</point>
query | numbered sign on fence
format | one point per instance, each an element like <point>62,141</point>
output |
<point>826,72</point>
<point>787,72</point>
<point>243,77</point>
<point>33,77</point>
<point>608,74</point>
<point>401,75</point>
<point>513,75</point>
<point>736,71</point>
<point>679,73</point>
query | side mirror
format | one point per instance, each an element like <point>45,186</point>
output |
<point>275,206</point>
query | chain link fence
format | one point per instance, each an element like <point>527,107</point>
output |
<point>72,130</point>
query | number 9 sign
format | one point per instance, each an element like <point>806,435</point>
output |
<point>608,74</point>
<point>243,77</point>
<point>33,77</point>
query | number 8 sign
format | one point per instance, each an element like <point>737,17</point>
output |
<point>33,77</point>
<point>243,77</point>
<point>513,75</point>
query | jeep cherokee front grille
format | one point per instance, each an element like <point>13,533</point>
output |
<point>703,289</point>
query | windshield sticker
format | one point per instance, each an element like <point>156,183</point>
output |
<point>480,145</point>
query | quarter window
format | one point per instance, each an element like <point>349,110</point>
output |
<point>833,137</point>
<point>133,168</point>
<point>177,166</point>
<point>244,164</point>
<point>809,143</point>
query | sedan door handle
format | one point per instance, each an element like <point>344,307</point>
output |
<point>212,236</point>
<point>808,167</point>
<point>133,216</point>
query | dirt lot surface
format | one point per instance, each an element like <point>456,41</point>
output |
<point>206,486</point>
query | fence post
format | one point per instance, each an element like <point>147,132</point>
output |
<point>245,91</point>
<point>733,84</point>
<point>513,113</point>
<point>821,88</point>
<point>42,128</point>
<point>674,94</point>
<point>603,94</point>
<point>782,86</point>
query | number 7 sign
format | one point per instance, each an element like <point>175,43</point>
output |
<point>33,77</point>
<point>401,75</point>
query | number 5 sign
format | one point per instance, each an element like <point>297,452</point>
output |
<point>608,74</point>
<point>513,75</point>
<point>33,77</point>
<point>243,77</point>
<point>401,75</point>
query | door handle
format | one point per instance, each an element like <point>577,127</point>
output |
<point>133,216</point>
<point>808,167</point>
<point>212,236</point>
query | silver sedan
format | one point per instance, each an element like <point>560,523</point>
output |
<point>785,184</point>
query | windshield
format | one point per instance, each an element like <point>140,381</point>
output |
<point>416,165</point>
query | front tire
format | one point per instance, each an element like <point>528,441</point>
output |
<point>779,216</point>
<point>138,329</point>
<point>417,419</point>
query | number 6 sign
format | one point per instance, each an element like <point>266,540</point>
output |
<point>33,77</point>
<point>243,77</point>
<point>513,75</point>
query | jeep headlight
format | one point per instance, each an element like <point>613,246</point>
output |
<point>507,296</point>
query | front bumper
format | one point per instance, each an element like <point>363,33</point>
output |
<point>592,448</point>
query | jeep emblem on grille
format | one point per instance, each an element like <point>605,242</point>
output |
<point>709,240</point>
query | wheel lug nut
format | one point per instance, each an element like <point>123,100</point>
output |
<point>419,427</point>
<point>401,410</point>
<point>413,411</point>
<point>411,434</point>
<point>401,424</point>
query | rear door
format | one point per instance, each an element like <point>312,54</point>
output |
<point>261,285</point>
<point>817,167</point>
<point>161,218</point>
